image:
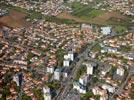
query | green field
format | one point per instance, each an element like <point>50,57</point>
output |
<point>85,11</point>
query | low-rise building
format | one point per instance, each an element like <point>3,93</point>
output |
<point>99,91</point>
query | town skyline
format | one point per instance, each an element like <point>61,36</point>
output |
<point>67,50</point>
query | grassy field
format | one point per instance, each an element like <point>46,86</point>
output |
<point>84,11</point>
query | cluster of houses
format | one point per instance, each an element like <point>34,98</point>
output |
<point>53,7</point>
<point>115,46</point>
<point>60,36</point>
<point>125,7</point>
<point>112,80</point>
<point>118,53</point>
<point>128,89</point>
<point>105,89</point>
<point>34,49</point>
<point>85,2</point>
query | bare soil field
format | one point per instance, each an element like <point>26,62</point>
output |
<point>14,19</point>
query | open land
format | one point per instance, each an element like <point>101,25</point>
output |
<point>14,19</point>
<point>101,19</point>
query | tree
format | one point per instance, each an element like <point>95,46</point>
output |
<point>131,95</point>
<point>5,92</point>
<point>80,72</point>
<point>97,97</point>
<point>95,80</point>
<point>59,56</point>
<point>25,97</point>
<point>53,84</point>
<point>38,94</point>
<point>87,96</point>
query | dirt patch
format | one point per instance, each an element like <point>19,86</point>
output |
<point>14,19</point>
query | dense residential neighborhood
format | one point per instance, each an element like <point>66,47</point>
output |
<point>66,50</point>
